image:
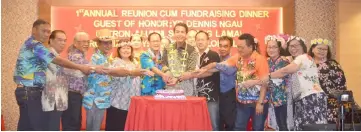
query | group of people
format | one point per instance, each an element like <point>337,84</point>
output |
<point>288,87</point>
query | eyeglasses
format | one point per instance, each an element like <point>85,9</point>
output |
<point>322,49</point>
<point>294,46</point>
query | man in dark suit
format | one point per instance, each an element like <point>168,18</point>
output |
<point>208,85</point>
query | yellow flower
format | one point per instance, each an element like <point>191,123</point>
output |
<point>325,41</point>
<point>313,42</point>
<point>319,41</point>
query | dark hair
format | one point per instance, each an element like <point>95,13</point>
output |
<point>154,33</point>
<point>249,41</point>
<point>39,22</point>
<point>141,38</point>
<point>201,31</point>
<point>304,47</point>
<point>226,38</point>
<point>279,45</point>
<point>131,57</point>
<point>54,33</point>
<point>182,25</point>
<point>329,54</point>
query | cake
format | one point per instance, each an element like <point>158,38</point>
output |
<point>170,94</point>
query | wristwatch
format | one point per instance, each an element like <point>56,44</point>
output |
<point>92,69</point>
<point>261,103</point>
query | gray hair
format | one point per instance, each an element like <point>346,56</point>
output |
<point>78,34</point>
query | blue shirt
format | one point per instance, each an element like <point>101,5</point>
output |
<point>228,76</point>
<point>151,84</point>
<point>32,62</point>
<point>99,89</point>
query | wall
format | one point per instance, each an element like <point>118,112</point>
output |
<point>16,22</point>
<point>316,19</point>
<point>313,18</point>
<point>349,40</point>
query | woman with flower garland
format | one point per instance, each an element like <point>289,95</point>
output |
<point>252,100</point>
<point>330,74</point>
<point>310,101</point>
<point>123,86</point>
<point>151,60</point>
<point>277,60</point>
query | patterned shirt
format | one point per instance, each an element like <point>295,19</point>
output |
<point>253,68</point>
<point>55,92</point>
<point>306,77</point>
<point>78,84</point>
<point>99,88</point>
<point>123,88</point>
<point>180,60</point>
<point>32,63</point>
<point>278,86</point>
<point>151,84</point>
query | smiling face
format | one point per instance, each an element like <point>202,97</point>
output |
<point>224,47</point>
<point>105,46</point>
<point>58,42</point>
<point>125,52</point>
<point>243,49</point>
<point>273,50</point>
<point>295,48</point>
<point>202,41</point>
<point>180,34</point>
<point>320,51</point>
<point>154,42</point>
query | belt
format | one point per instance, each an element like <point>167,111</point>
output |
<point>26,87</point>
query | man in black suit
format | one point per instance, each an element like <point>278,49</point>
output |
<point>208,85</point>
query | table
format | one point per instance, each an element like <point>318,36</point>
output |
<point>148,114</point>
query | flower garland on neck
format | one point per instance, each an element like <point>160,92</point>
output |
<point>246,73</point>
<point>173,55</point>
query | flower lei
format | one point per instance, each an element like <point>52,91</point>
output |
<point>321,41</point>
<point>172,60</point>
<point>246,73</point>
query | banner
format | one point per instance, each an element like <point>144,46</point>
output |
<point>124,21</point>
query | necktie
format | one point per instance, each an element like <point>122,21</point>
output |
<point>201,59</point>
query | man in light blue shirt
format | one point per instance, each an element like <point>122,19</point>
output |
<point>227,98</point>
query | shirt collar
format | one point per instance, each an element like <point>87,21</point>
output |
<point>52,50</point>
<point>205,51</point>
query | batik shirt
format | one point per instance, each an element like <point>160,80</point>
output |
<point>99,89</point>
<point>32,63</point>
<point>78,84</point>
<point>55,94</point>
<point>148,60</point>
<point>253,68</point>
<point>180,60</point>
<point>123,88</point>
<point>277,86</point>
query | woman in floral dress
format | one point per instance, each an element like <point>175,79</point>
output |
<point>310,101</point>
<point>123,88</point>
<point>330,73</point>
<point>277,60</point>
